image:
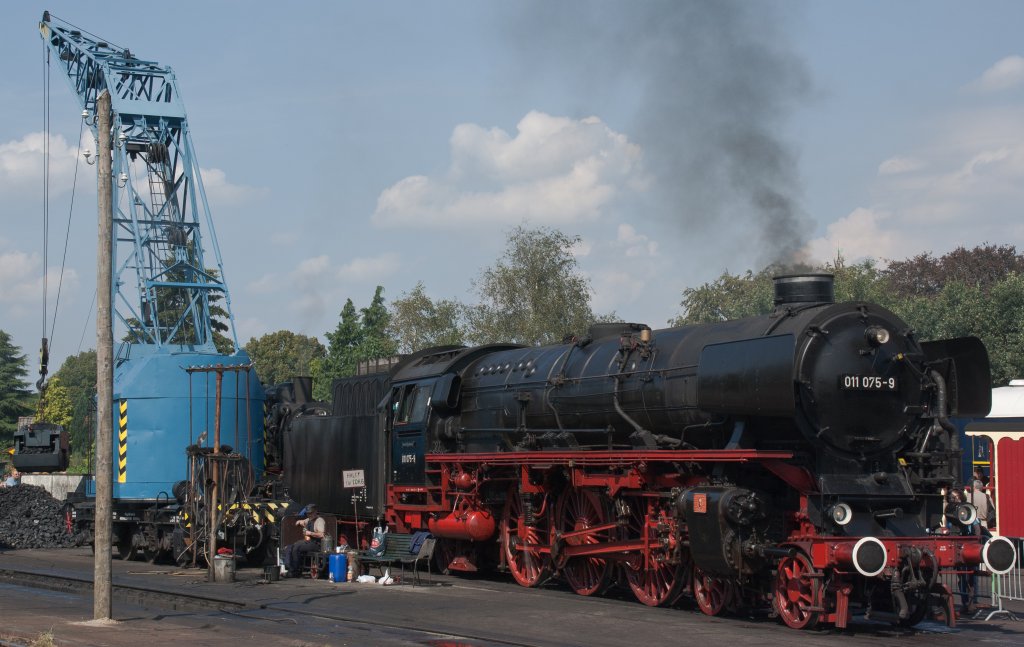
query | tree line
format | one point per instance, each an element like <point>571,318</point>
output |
<point>535,293</point>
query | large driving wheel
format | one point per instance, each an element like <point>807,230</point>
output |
<point>580,510</point>
<point>713,594</point>
<point>656,576</point>
<point>521,542</point>
<point>797,592</point>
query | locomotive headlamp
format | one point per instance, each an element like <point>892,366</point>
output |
<point>841,514</point>
<point>876,335</point>
<point>966,514</point>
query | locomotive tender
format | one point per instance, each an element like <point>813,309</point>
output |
<point>798,459</point>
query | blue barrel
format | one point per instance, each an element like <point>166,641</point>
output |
<point>337,567</point>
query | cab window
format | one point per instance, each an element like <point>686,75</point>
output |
<point>412,405</point>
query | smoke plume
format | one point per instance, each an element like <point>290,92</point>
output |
<point>710,84</point>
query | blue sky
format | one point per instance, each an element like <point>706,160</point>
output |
<point>350,144</point>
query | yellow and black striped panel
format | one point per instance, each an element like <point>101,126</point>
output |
<point>122,443</point>
<point>269,511</point>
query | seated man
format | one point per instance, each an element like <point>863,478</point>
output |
<point>313,531</point>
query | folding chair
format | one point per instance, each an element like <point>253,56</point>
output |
<point>426,553</point>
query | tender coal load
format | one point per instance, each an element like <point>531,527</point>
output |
<point>31,518</point>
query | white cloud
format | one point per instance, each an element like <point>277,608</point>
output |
<point>375,267</point>
<point>1005,74</point>
<point>636,244</point>
<point>864,233</point>
<point>21,162</point>
<point>219,191</point>
<point>962,185</point>
<point>250,327</point>
<point>897,165</point>
<point>312,268</point>
<point>21,282</point>
<point>317,286</point>
<point>554,170</point>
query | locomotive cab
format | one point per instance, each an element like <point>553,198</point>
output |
<point>409,404</point>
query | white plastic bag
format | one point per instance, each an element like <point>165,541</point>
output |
<point>366,579</point>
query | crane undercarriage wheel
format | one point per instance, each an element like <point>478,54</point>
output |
<point>69,518</point>
<point>521,540</point>
<point>713,595</point>
<point>658,577</point>
<point>797,594</point>
<point>579,511</point>
<point>126,549</point>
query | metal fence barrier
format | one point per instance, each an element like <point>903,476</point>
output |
<point>1009,586</point>
<point>988,592</point>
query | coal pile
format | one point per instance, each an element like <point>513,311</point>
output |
<point>31,518</point>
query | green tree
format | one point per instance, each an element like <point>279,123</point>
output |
<point>734,296</point>
<point>55,407</point>
<point>375,341</point>
<point>418,322</point>
<point>995,315</point>
<point>730,296</point>
<point>359,336</point>
<point>981,267</point>
<point>15,397</point>
<point>534,294</point>
<point>282,355</point>
<point>78,375</point>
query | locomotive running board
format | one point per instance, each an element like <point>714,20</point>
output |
<point>611,458</point>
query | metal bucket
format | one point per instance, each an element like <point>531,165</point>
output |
<point>223,568</point>
<point>272,573</point>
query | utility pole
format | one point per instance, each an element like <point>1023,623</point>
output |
<point>101,609</point>
<point>211,545</point>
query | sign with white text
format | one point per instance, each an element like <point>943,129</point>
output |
<point>353,478</point>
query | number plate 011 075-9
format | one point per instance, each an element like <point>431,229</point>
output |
<point>868,383</point>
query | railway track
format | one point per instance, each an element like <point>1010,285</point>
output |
<point>278,612</point>
<point>463,611</point>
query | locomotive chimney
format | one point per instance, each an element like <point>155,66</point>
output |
<point>804,289</point>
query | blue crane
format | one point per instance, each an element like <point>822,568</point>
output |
<point>162,284</point>
<point>169,297</point>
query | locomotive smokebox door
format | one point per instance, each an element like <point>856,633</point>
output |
<point>719,521</point>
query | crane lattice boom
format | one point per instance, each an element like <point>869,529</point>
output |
<point>163,286</point>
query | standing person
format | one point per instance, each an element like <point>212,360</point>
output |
<point>966,581</point>
<point>979,499</point>
<point>314,529</point>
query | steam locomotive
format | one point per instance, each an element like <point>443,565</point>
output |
<point>798,460</point>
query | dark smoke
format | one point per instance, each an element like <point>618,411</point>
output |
<point>711,84</point>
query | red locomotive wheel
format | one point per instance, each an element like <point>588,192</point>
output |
<point>713,594</point>
<point>797,594</point>
<point>580,510</point>
<point>655,581</point>
<point>528,564</point>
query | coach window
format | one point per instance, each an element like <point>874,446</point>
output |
<point>413,406</point>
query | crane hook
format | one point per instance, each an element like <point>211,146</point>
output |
<point>44,360</point>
